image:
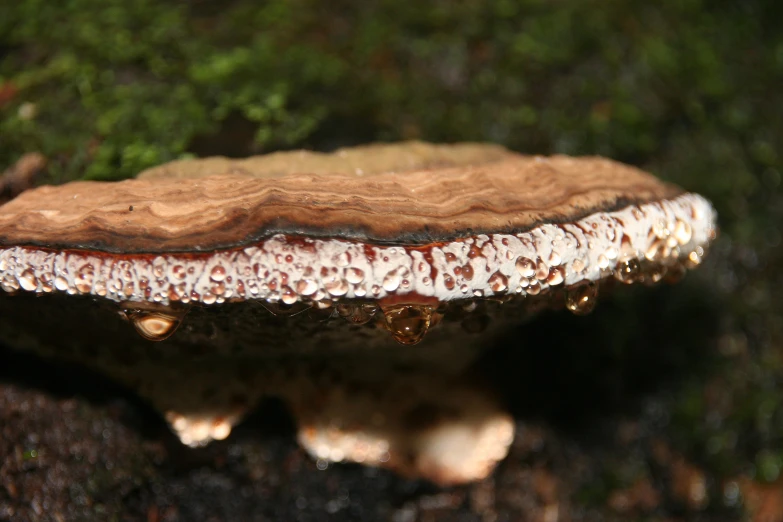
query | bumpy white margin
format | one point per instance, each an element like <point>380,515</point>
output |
<point>295,269</point>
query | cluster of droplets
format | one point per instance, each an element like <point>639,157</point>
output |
<point>535,275</point>
<point>288,275</point>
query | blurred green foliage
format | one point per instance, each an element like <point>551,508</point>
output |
<point>689,89</point>
<point>109,87</point>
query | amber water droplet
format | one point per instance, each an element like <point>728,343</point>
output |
<point>28,281</point>
<point>306,286</point>
<point>628,271</point>
<point>354,275</point>
<point>357,313</point>
<point>61,283</point>
<point>337,287</point>
<point>407,323</point>
<point>657,251</point>
<point>498,282</point>
<point>391,281</point>
<point>542,270</point>
<point>683,232</point>
<point>525,267</point>
<point>218,273</point>
<point>284,309</point>
<point>179,271</point>
<point>693,259</point>
<point>288,296</point>
<point>556,276</point>
<point>581,300</point>
<point>534,288</point>
<point>155,325</point>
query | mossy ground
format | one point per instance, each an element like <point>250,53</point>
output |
<point>688,89</point>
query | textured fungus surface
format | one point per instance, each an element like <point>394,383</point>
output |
<point>284,276</point>
<point>233,207</point>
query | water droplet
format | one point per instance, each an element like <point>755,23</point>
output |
<point>628,271</point>
<point>542,270</point>
<point>407,323</point>
<point>556,276</point>
<point>10,286</point>
<point>692,261</point>
<point>448,282</point>
<point>3,265</point>
<point>218,288</point>
<point>47,284</point>
<point>682,231</point>
<point>467,272</point>
<point>581,300</point>
<point>357,313</point>
<point>28,281</point>
<point>392,281</point>
<point>218,273</point>
<point>657,251</point>
<point>337,287</point>
<point>306,286</point>
<point>498,282</point>
<point>155,325</point>
<point>60,283</point>
<point>158,268</point>
<point>612,253</point>
<point>178,271</point>
<point>554,259</point>
<point>288,296</point>
<point>354,275</point>
<point>534,288</point>
<point>343,259</point>
<point>525,267</point>
<point>578,266</point>
<point>603,262</point>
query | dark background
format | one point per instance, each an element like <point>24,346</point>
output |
<point>662,405</point>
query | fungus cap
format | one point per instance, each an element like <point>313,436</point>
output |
<point>498,223</point>
<point>405,239</point>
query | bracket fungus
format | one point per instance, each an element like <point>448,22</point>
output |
<point>301,274</point>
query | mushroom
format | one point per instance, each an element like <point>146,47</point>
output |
<point>300,274</point>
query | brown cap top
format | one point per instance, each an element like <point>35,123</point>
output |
<point>408,194</point>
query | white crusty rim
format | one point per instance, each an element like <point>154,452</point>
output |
<point>289,270</point>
